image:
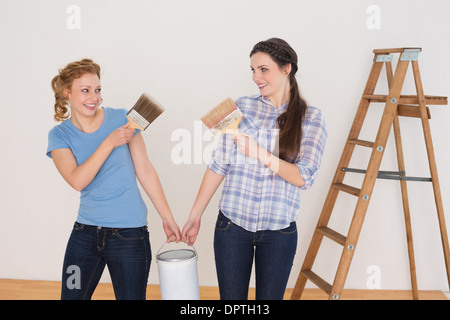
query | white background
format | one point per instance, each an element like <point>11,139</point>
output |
<point>191,55</point>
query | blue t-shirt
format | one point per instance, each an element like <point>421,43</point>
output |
<point>112,199</point>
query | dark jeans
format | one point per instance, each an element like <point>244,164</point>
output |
<point>234,248</point>
<point>125,251</point>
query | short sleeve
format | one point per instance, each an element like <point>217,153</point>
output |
<point>220,159</point>
<point>56,140</point>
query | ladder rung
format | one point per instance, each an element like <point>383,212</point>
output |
<point>405,110</point>
<point>346,188</point>
<point>408,99</point>
<point>333,235</point>
<point>363,143</point>
<point>391,175</point>
<point>318,281</point>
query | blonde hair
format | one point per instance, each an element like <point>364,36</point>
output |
<point>63,81</point>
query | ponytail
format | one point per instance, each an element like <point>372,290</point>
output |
<point>61,110</point>
<point>290,124</point>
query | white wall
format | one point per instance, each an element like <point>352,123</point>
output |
<point>191,55</point>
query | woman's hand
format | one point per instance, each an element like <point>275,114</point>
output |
<point>190,230</point>
<point>172,231</point>
<point>121,136</point>
<point>249,147</point>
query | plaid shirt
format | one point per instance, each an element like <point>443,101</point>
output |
<point>253,197</point>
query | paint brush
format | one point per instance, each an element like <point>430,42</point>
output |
<point>224,118</point>
<point>144,112</point>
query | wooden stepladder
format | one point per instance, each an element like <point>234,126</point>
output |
<point>395,105</point>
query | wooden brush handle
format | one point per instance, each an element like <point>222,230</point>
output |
<point>233,127</point>
<point>133,125</point>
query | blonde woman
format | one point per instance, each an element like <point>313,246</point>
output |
<point>99,156</point>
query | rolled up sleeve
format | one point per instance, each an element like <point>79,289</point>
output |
<point>220,158</point>
<point>312,146</point>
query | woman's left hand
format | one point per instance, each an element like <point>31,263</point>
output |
<point>247,145</point>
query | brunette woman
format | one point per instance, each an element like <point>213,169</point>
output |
<point>99,156</point>
<point>277,153</point>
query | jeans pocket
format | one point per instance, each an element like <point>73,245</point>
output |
<point>289,230</point>
<point>222,223</point>
<point>78,226</point>
<point>130,234</point>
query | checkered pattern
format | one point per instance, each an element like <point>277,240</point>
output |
<point>254,197</point>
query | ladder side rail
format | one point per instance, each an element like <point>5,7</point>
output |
<point>406,209</point>
<point>433,168</point>
<point>404,192</point>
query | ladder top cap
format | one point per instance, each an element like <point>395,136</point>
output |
<point>395,50</point>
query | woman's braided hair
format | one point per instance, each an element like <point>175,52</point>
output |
<point>289,122</point>
<point>270,47</point>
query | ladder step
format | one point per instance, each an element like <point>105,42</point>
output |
<point>394,50</point>
<point>318,281</point>
<point>363,143</point>
<point>346,188</point>
<point>408,99</point>
<point>333,235</point>
<point>411,111</point>
<point>391,175</point>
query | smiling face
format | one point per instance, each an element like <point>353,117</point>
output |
<point>272,81</point>
<point>85,95</point>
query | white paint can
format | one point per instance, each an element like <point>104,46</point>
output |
<point>178,275</point>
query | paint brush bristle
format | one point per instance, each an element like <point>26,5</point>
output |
<point>144,112</point>
<point>224,117</point>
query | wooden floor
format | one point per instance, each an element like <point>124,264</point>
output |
<point>50,290</point>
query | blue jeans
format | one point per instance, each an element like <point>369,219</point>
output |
<point>126,252</point>
<point>234,248</point>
